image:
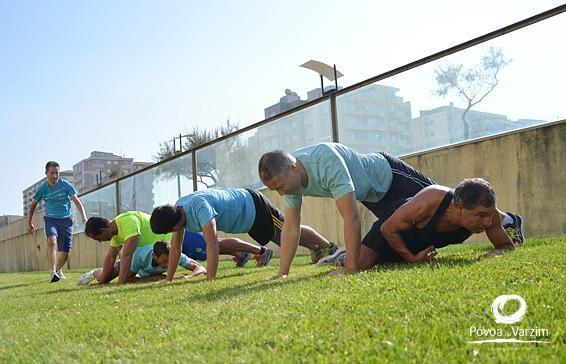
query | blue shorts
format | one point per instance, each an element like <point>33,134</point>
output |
<point>62,229</point>
<point>194,245</point>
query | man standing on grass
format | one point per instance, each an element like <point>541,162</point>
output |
<point>435,217</point>
<point>58,194</point>
<point>148,264</point>
<point>233,211</point>
<point>333,170</point>
<point>131,230</point>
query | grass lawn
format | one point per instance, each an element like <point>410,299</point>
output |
<point>421,313</point>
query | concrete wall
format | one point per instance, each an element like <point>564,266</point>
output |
<point>527,169</point>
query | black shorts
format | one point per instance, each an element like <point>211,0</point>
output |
<point>407,181</point>
<point>268,221</point>
<point>375,240</point>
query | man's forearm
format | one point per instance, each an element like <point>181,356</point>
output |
<point>212,252</point>
<point>396,242</point>
<point>289,243</point>
<point>352,237</point>
<point>107,269</point>
<point>174,258</point>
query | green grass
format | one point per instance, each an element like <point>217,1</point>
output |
<point>397,313</point>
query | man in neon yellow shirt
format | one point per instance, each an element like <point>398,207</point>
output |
<point>125,232</point>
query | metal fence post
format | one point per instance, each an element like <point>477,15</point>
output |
<point>334,116</point>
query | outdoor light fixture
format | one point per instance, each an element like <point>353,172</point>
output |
<point>324,70</point>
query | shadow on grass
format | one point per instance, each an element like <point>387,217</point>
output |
<point>249,287</point>
<point>442,262</point>
<point>21,285</point>
<point>211,295</point>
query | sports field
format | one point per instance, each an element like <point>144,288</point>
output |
<point>419,313</point>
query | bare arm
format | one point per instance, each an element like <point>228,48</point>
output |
<point>130,246</point>
<point>195,268</point>
<point>31,228</point>
<point>352,230</point>
<point>502,243</point>
<point>212,249</point>
<point>80,207</point>
<point>108,266</point>
<point>175,253</point>
<point>415,210</point>
<point>289,240</point>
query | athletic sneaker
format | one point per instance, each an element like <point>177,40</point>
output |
<point>337,258</point>
<point>320,253</point>
<point>54,277</point>
<point>263,259</point>
<point>86,278</point>
<point>241,259</point>
<point>515,229</point>
<point>60,274</point>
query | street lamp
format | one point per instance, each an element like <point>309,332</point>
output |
<point>324,70</point>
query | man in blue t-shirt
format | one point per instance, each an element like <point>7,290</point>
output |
<point>57,194</point>
<point>234,210</point>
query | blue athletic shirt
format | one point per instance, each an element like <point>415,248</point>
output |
<point>142,258</point>
<point>233,210</point>
<point>57,199</point>
<point>335,170</point>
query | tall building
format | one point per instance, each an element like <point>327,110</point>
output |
<point>375,119</point>
<point>102,167</point>
<point>28,193</point>
<point>444,125</point>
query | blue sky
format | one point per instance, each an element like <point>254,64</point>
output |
<point>122,76</point>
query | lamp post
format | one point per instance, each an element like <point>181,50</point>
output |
<point>325,71</point>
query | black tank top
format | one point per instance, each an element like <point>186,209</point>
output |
<point>418,239</point>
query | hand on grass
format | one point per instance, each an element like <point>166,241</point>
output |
<point>276,276</point>
<point>425,255</point>
<point>196,272</point>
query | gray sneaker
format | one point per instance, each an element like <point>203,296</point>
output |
<point>320,253</point>
<point>60,274</point>
<point>515,229</point>
<point>86,278</point>
<point>337,258</point>
<point>241,259</point>
<point>263,259</point>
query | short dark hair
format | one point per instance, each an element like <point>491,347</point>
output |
<point>161,247</point>
<point>164,218</point>
<point>95,224</point>
<point>274,164</point>
<point>473,191</point>
<point>51,164</point>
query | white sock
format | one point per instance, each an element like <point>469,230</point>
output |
<point>507,219</point>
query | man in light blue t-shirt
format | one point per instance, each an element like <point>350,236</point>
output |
<point>57,194</point>
<point>336,171</point>
<point>235,211</point>
<point>152,260</point>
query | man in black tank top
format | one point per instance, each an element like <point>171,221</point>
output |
<point>435,217</point>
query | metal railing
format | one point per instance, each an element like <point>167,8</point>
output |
<point>369,116</point>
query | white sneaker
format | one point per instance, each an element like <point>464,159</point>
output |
<point>335,259</point>
<point>53,277</point>
<point>60,274</point>
<point>86,278</point>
